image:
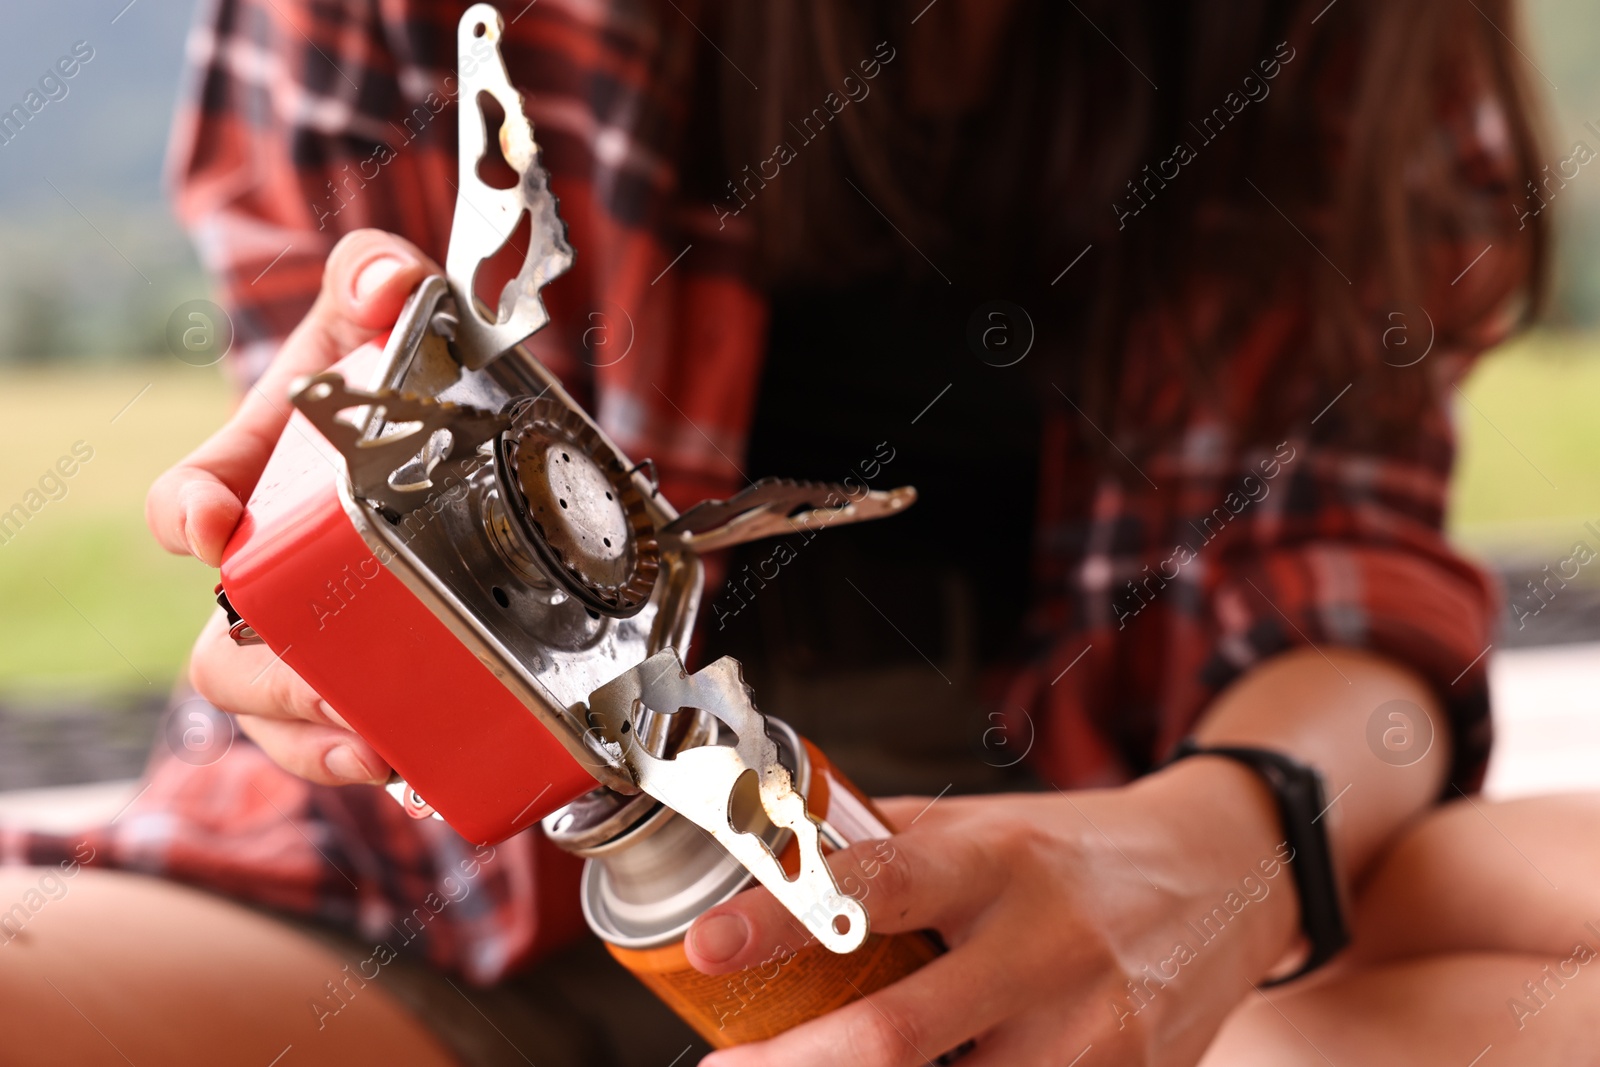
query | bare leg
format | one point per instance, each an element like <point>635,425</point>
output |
<point>1477,942</point>
<point>1449,1010</point>
<point>1515,876</point>
<point>110,968</point>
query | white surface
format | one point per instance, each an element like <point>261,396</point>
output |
<point>67,808</point>
<point>1547,718</point>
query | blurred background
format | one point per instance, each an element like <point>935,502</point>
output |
<point>97,620</point>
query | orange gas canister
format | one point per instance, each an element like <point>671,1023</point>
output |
<point>650,873</point>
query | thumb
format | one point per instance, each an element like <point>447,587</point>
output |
<point>366,281</point>
<point>194,507</point>
<point>891,880</point>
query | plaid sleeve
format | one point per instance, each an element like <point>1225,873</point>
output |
<point>1174,592</point>
<point>1354,553</point>
<point>301,122</point>
<point>1173,575</point>
<point>1346,549</point>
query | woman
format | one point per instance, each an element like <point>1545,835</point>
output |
<point>1118,290</point>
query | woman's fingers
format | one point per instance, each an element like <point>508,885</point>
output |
<point>907,882</point>
<point>194,507</point>
<point>204,518</point>
<point>914,1021</point>
<point>901,812</point>
<point>279,710</point>
<point>328,755</point>
<point>251,679</point>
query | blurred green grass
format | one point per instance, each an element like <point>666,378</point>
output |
<point>1528,472</point>
<point>95,610</point>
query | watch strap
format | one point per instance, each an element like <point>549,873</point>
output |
<point>1302,802</point>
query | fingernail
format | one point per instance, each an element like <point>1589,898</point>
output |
<point>342,762</point>
<point>188,536</point>
<point>720,937</point>
<point>184,499</point>
<point>374,274</point>
<point>334,717</point>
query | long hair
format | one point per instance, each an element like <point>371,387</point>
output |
<point>1316,165</point>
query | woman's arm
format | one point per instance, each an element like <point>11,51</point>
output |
<point>1316,705</point>
<point>1127,922</point>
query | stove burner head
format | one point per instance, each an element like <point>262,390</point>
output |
<point>578,507</point>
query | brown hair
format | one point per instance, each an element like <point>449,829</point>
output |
<point>1079,103</point>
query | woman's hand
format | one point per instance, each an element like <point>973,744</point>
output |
<point>193,509</point>
<point>1110,927</point>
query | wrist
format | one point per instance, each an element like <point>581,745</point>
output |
<point>1227,840</point>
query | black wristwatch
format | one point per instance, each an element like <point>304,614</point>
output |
<point>1302,801</point>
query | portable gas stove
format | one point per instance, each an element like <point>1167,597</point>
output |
<point>457,558</point>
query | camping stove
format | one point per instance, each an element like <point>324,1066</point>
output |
<point>457,558</point>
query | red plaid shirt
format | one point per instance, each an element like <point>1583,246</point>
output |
<point>1158,584</point>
